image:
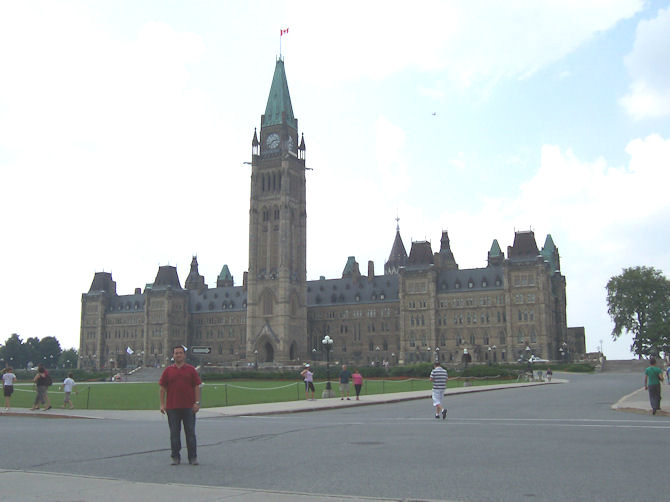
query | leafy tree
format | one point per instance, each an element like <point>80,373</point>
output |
<point>638,301</point>
<point>32,350</point>
<point>14,352</point>
<point>49,351</point>
<point>68,358</point>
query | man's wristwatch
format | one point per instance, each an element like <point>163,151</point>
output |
<point>198,403</point>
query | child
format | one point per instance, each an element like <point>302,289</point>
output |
<point>68,386</point>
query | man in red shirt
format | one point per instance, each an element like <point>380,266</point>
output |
<point>180,384</point>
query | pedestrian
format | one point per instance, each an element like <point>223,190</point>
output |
<point>42,382</point>
<point>357,378</point>
<point>439,378</point>
<point>308,376</point>
<point>653,376</point>
<point>68,387</point>
<point>549,374</point>
<point>667,374</point>
<point>345,376</point>
<point>8,378</point>
<point>180,399</point>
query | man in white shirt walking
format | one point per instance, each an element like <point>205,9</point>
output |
<point>439,378</point>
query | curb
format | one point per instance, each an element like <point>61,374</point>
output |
<point>211,413</point>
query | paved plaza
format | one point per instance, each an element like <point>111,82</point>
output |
<point>560,441</point>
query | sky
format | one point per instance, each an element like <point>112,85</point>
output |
<point>125,127</point>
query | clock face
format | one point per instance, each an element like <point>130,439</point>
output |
<point>273,141</point>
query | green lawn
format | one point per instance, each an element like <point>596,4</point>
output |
<point>144,396</point>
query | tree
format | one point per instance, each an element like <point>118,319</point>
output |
<point>638,301</point>
<point>49,351</point>
<point>32,351</point>
<point>14,352</point>
<point>68,358</point>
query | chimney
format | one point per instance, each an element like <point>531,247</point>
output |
<point>138,291</point>
<point>371,270</point>
<point>244,280</point>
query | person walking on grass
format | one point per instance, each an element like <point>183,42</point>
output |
<point>345,375</point>
<point>357,378</point>
<point>439,378</point>
<point>653,376</point>
<point>42,382</point>
<point>308,376</point>
<point>68,387</point>
<point>180,400</point>
<point>8,379</point>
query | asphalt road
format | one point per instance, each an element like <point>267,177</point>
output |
<point>556,442</point>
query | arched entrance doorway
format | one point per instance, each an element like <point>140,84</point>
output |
<point>268,353</point>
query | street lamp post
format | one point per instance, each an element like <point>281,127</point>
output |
<point>428,349</point>
<point>377,349</point>
<point>437,354</point>
<point>466,358</point>
<point>327,343</point>
<point>256,357</point>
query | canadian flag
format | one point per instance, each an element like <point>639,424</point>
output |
<point>283,32</point>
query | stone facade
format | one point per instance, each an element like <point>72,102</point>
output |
<point>423,307</point>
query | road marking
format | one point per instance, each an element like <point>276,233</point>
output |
<point>567,422</point>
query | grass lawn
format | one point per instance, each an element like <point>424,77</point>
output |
<point>144,396</point>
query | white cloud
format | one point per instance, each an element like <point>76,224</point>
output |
<point>647,65</point>
<point>477,43</point>
<point>391,158</point>
<point>459,162</point>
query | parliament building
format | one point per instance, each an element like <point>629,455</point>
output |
<point>423,307</point>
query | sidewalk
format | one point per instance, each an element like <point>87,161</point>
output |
<point>638,402</point>
<point>265,408</point>
<point>40,486</point>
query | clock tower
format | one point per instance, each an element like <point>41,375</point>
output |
<point>276,294</point>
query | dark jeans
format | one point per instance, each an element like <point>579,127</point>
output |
<point>655,396</point>
<point>175,418</point>
<point>357,386</point>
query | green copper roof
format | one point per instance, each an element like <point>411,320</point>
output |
<point>549,246</point>
<point>495,249</point>
<point>279,100</point>
<point>549,252</point>
<point>225,273</point>
<point>350,267</point>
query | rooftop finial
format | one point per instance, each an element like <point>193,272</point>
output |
<point>397,222</point>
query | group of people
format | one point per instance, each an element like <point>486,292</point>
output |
<point>42,381</point>
<point>345,376</point>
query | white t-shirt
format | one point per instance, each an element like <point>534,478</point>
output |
<point>68,384</point>
<point>8,379</point>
